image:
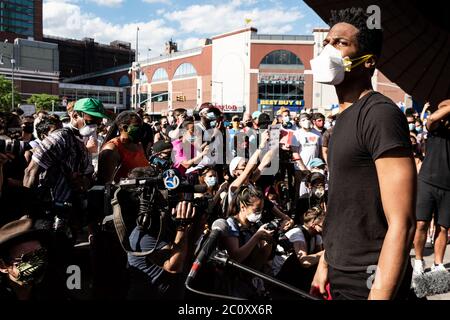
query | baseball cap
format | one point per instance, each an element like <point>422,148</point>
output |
<point>92,107</point>
<point>316,162</point>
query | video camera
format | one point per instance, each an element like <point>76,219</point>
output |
<point>15,147</point>
<point>146,196</point>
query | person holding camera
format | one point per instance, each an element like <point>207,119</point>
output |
<point>161,274</point>
<point>299,251</point>
<point>247,243</point>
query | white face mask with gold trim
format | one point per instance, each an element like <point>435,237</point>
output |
<point>330,67</point>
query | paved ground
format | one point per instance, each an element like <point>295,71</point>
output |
<point>429,260</point>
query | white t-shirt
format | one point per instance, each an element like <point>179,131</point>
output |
<point>309,143</point>
<point>293,235</point>
<point>214,153</point>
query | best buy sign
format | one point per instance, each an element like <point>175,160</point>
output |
<point>298,103</point>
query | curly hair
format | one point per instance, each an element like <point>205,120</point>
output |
<point>369,40</point>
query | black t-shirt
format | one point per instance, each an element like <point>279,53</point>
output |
<point>355,225</point>
<point>436,166</point>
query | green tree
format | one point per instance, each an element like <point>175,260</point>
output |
<point>6,96</point>
<point>44,101</point>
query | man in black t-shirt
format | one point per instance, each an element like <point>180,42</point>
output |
<point>433,194</point>
<point>370,223</point>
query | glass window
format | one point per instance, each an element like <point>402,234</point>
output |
<point>160,75</point>
<point>160,96</point>
<point>185,70</point>
<point>124,81</point>
<point>281,57</point>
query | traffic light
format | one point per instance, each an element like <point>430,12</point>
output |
<point>181,98</point>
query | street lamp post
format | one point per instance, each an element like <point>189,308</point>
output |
<point>13,62</point>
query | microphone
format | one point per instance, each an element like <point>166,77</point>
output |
<point>431,283</point>
<point>220,226</point>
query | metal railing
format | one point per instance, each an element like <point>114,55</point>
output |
<point>279,37</point>
<point>172,55</point>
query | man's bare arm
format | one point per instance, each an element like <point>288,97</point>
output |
<point>397,178</point>
<point>435,118</point>
<point>31,174</point>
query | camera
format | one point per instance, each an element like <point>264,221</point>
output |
<point>15,147</point>
<point>145,197</point>
<point>273,225</point>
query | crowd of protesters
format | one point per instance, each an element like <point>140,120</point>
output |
<point>312,201</point>
<point>55,168</point>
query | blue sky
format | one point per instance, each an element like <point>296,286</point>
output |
<point>187,22</point>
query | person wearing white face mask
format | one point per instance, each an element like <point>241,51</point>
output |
<point>370,142</point>
<point>61,167</point>
<point>246,243</point>
<point>309,147</point>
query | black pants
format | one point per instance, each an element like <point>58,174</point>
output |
<point>354,285</point>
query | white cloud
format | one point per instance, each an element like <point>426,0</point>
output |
<point>187,26</point>
<point>67,20</point>
<point>191,43</point>
<point>108,3</point>
<point>215,19</point>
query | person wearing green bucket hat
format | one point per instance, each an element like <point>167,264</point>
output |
<point>62,168</point>
<point>92,107</point>
<point>86,116</point>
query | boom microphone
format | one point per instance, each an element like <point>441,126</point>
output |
<point>220,226</point>
<point>431,283</point>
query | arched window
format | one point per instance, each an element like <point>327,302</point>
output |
<point>185,70</point>
<point>160,75</point>
<point>281,57</point>
<point>124,81</point>
<point>110,83</point>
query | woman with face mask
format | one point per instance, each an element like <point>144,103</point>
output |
<point>163,131</point>
<point>121,154</point>
<point>185,148</point>
<point>245,238</point>
<point>247,241</point>
<point>209,178</point>
<point>316,194</point>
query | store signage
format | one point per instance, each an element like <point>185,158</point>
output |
<point>287,103</point>
<point>230,108</point>
<point>284,78</point>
